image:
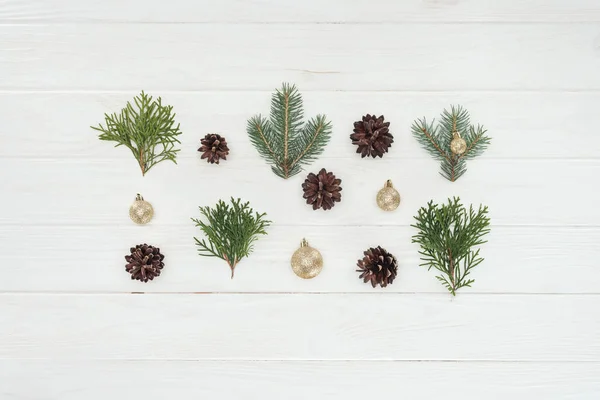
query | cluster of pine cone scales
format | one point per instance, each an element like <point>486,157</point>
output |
<point>213,148</point>
<point>378,267</point>
<point>145,262</point>
<point>322,190</point>
<point>372,136</point>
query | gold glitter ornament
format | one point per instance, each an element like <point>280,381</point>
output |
<point>141,212</point>
<point>307,262</point>
<point>388,198</point>
<point>458,144</point>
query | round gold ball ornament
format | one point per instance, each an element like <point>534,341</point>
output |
<point>388,198</point>
<point>458,145</point>
<point>141,212</point>
<point>307,262</point>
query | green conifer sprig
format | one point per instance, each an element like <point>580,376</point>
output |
<point>148,130</point>
<point>447,234</point>
<point>284,140</point>
<point>436,140</point>
<point>230,230</point>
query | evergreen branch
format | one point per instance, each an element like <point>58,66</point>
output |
<point>311,143</point>
<point>285,141</point>
<point>142,129</point>
<point>231,230</point>
<point>427,136</point>
<point>477,142</point>
<point>436,140</point>
<point>447,234</point>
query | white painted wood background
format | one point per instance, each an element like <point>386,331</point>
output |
<point>72,324</point>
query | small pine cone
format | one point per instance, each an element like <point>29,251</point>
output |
<point>145,262</point>
<point>213,148</point>
<point>378,266</point>
<point>372,136</point>
<point>322,190</point>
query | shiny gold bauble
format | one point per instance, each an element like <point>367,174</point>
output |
<point>306,261</point>
<point>458,145</point>
<point>141,212</point>
<point>388,198</point>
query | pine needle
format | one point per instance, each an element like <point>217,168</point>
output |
<point>436,140</point>
<point>148,130</point>
<point>447,234</point>
<point>284,140</point>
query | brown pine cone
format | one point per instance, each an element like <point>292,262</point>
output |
<point>372,136</point>
<point>213,148</point>
<point>145,262</point>
<point>378,266</point>
<point>322,190</point>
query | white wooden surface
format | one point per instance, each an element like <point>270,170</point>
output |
<point>73,326</point>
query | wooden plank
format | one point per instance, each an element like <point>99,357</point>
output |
<point>518,192</point>
<point>97,380</point>
<point>300,327</point>
<point>337,11</point>
<point>517,260</point>
<point>315,57</point>
<point>34,124</point>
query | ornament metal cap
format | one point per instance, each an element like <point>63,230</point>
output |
<point>307,262</point>
<point>388,198</point>
<point>141,212</point>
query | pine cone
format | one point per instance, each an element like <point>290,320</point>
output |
<point>378,266</point>
<point>213,148</point>
<point>322,190</point>
<point>372,136</point>
<point>145,262</point>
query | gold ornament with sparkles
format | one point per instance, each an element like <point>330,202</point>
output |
<point>458,144</point>
<point>141,212</point>
<point>307,262</point>
<point>388,198</point>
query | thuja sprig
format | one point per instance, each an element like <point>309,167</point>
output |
<point>447,234</point>
<point>436,140</point>
<point>284,140</point>
<point>147,128</point>
<point>230,230</point>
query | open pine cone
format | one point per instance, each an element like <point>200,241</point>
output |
<point>378,266</point>
<point>322,190</point>
<point>372,136</point>
<point>213,148</point>
<point>145,262</point>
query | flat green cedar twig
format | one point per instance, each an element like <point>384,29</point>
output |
<point>230,230</point>
<point>436,140</point>
<point>147,129</point>
<point>284,140</point>
<point>447,234</point>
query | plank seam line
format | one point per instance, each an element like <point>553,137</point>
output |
<point>24,22</point>
<point>301,360</point>
<point>280,293</point>
<point>94,225</point>
<point>254,90</point>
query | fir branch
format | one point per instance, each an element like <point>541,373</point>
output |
<point>148,130</point>
<point>436,140</point>
<point>284,140</point>
<point>446,235</point>
<point>230,230</point>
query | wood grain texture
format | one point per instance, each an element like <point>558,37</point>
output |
<point>523,125</point>
<point>94,380</point>
<point>518,260</point>
<point>300,327</point>
<point>74,326</point>
<point>289,11</point>
<point>315,57</point>
<point>65,192</point>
